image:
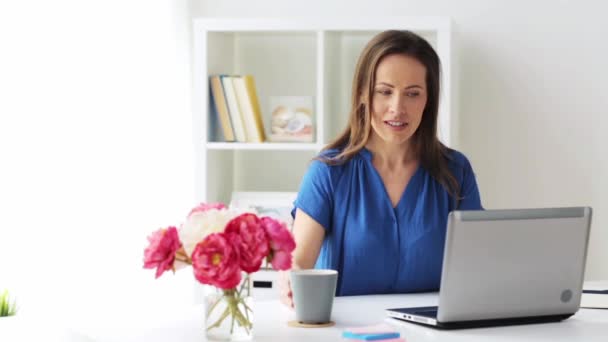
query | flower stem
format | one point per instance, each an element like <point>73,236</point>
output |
<point>247,308</point>
<point>220,320</point>
<point>239,299</point>
<point>245,282</point>
<point>232,313</point>
<point>219,299</point>
<point>239,314</point>
<point>248,287</point>
<point>182,256</point>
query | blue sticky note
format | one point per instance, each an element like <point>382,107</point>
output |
<point>370,337</point>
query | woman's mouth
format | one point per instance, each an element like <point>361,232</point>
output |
<point>396,125</point>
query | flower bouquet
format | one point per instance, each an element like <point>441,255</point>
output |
<point>224,246</point>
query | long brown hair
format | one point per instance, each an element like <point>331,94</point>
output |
<point>432,153</point>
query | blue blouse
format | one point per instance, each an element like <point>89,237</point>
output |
<point>374,247</point>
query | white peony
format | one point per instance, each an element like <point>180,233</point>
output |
<point>201,224</point>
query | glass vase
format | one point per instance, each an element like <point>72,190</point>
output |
<point>229,313</point>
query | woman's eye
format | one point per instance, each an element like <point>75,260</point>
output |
<point>413,94</point>
<point>384,92</point>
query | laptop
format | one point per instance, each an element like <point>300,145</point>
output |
<point>503,267</point>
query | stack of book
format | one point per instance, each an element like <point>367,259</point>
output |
<point>235,109</point>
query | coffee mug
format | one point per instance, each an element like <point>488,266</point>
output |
<point>313,294</point>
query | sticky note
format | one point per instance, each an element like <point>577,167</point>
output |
<point>370,337</point>
<point>372,333</point>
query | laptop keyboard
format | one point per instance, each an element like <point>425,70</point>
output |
<point>430,313</point>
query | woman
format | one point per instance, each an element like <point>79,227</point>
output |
<point>374,204</point>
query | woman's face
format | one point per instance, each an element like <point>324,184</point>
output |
<point>399,98</point>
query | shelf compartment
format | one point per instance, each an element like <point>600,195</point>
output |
<point>234,170</point>
<point>283,63</point>
<point>264,146</point>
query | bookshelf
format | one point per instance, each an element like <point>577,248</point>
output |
<point>290,57</point>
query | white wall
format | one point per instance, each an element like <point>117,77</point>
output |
<point>96,149</point>
<point>533,104</point>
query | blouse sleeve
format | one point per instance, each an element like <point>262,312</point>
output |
<point>315,194</point>
<point>469,192</point>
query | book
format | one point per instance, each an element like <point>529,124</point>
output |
<point>233,109</point>
<point>214,129</point>
<point>291,118</point>
<point>220,109</point>
<point>250,107</point>
<point>255,103</point>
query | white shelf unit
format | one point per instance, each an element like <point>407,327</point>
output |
<point>291,56</point>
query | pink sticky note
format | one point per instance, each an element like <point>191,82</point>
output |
<point>381,328</point>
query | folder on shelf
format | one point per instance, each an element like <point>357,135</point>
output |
<point>250,108</point>
<point>220,109</point>
<point>233,109</point>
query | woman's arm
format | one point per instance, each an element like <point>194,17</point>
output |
<point>469,191</point>
<point>309,235</point>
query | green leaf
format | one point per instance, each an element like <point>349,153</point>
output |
<point>6,307</point>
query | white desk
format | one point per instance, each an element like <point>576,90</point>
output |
<point>150,325</point>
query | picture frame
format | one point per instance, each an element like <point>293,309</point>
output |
<point>292,119</point>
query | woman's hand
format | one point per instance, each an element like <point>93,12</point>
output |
<point>286,295</point>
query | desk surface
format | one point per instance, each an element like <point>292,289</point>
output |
<point>152,324</point>
<point>271,324</point>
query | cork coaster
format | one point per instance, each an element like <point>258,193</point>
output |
<point>296,324</point>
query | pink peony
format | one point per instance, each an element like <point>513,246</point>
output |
<point>281,243</point>
<point>206,206</point>
<point>247,235</point>
<point>160,254</point>
<point>215,262</point>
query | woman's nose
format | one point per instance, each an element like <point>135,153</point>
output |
<point>398,105</point>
